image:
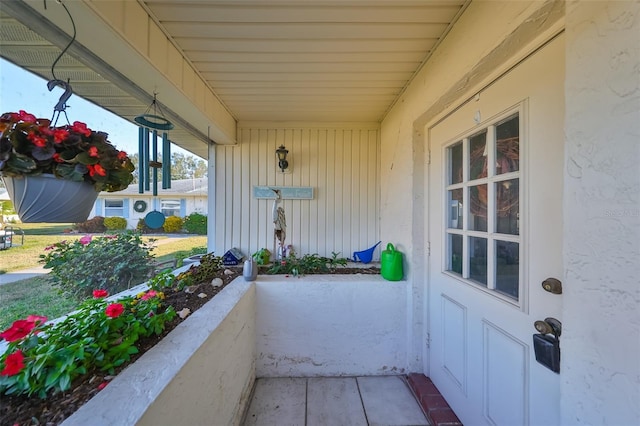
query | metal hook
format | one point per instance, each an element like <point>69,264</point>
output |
<point>68,91</point>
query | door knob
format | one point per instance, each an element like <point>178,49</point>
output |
<point>552,285</point>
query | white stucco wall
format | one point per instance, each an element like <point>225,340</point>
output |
<point>601,326</point>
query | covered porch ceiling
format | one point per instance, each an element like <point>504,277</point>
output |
<point>265,60</point>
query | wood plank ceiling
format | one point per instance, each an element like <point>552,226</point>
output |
<point>306,60</point>
<point>272,60</point>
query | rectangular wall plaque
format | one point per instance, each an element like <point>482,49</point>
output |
<point>288,192</point>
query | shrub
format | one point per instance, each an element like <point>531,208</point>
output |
<point>172,224</point>
<point>196,223</point>
<point>43,358</point>
<point>93,225</point>
<point>115,223</point>
<point>142,227</point>
<point>111,262</point>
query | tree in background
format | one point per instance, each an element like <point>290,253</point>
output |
<point>182,167</point>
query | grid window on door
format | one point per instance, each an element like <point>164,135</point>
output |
<point>482,230</point>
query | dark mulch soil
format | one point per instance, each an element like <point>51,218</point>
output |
<point>25,411</point>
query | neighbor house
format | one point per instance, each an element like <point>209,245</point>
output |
<point>185,196</point>
<point>495,143</point>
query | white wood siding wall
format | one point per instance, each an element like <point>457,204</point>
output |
<point>341,164</point>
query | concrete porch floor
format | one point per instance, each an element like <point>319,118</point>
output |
<point>328,401</point>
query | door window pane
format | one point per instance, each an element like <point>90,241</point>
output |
<point>478,259</point>
<point>507,268</point>
<point>455,163</point>
<point>478,156</point>
<point>478,213</point>
<point>455,209</point>
<point>455,261</point>
<point>508,146</point>
<point>508,207</point>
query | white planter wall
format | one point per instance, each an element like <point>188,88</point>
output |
<point>319,326</point>
<point>201,373</point>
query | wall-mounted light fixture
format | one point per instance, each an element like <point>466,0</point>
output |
<point>281,154</point>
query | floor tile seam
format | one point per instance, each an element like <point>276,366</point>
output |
<point>364,409</point>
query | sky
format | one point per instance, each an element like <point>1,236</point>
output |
<point>20,89</point>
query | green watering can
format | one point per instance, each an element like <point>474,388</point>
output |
<point>391,264</point>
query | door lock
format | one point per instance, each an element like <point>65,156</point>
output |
<point>546,347</point>
<point>552,285</point>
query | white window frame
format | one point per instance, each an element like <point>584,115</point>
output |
<point>176,209</point>
<point>109,211</point>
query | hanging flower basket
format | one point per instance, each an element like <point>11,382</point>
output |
<point>44,198</point>
<point>77,161</point>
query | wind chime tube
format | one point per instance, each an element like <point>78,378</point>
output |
<point>147,175</point>
<point>155,160</point>
<point>166,161</point>
<point>141,160</point>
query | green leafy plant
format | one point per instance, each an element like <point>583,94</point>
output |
<point>162,281</point>
<point>93,225</point>
<point>172,224</point>
<point>112,262</point>
<point>30,146</point>
<point>43,358</point>
<point>196,223</point>
<point>307,264</point>
<point>115,223</point>
<point>209,265</point>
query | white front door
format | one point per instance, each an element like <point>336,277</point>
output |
<point>495,230</point>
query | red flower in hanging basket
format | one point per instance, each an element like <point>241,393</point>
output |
<point>30,146</point>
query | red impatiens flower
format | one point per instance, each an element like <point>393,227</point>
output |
<point>13,364</point>
<point>149,295</point>
<point>37,140</point>
<point>99,294</point>
<point>57,158</point>
<point>122,155</point>
<point>81,128</point>
<point>93,152</point>
<point>114,310</point>
<point>96,169</point>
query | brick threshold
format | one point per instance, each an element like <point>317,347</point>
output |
<point>437,410</point>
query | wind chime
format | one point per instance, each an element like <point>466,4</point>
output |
<point>151,122</point>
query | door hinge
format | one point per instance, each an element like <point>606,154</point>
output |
<point>428,340</point>
<point>428,248</point>
<point>429,157</point>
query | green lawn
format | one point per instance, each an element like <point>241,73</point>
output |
<point>32,296</point>
<point>38,296</point>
